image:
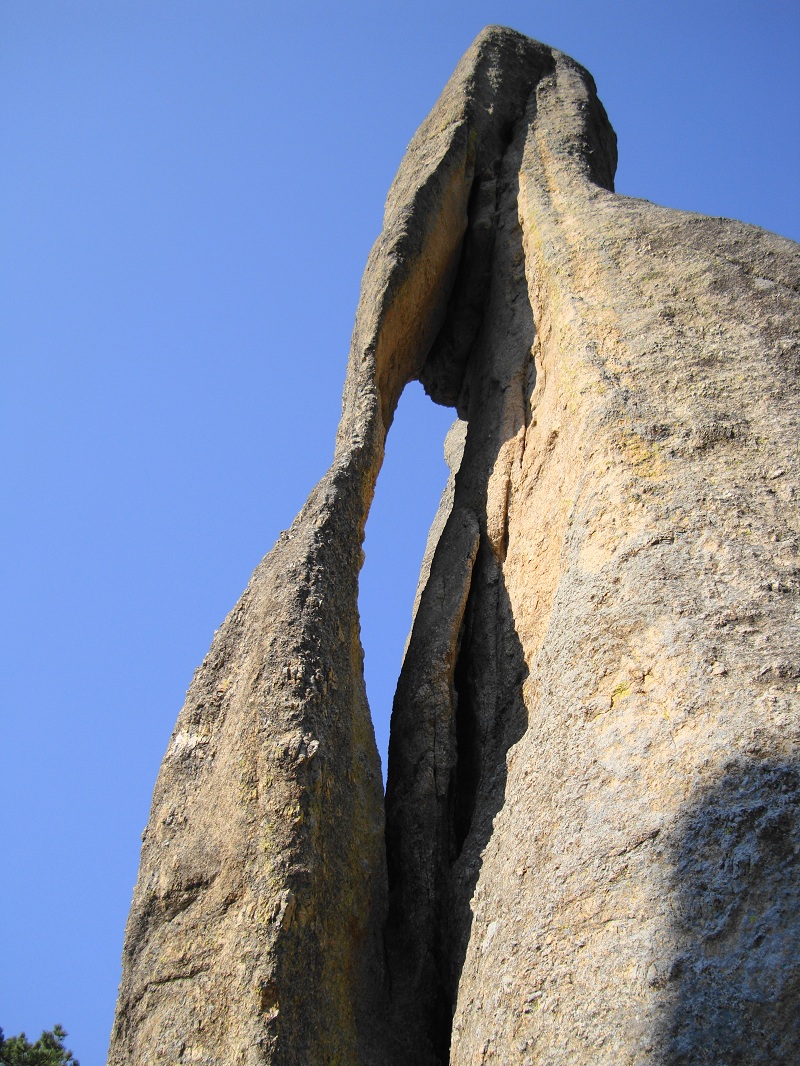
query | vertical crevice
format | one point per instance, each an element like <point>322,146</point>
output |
<point>442,1026</point>
<point>467,769</point>
<point>419,833</point>
<point>458,705</point>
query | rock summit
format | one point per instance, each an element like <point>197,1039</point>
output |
<point>587,853</point>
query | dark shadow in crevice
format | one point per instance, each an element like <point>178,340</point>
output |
<point>732,988</point>
<point>493,673</point>
<point>491,668</point>
<point>459,704</point>
<point>435,839</point>
<point>442,374</point>
<point>466,773</point>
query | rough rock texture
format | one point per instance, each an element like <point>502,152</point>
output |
<point>592,831</point>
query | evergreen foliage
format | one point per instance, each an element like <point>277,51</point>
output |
<point>48,1050</point>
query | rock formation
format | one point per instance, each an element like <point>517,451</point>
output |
<point>588,851</point>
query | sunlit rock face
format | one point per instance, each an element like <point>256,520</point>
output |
<point>588,849</point>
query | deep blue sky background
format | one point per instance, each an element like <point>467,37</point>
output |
<point>188,193</point>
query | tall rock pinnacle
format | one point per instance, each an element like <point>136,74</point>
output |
<point>588,849</point>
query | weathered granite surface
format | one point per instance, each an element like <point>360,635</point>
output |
<point>590,849</point>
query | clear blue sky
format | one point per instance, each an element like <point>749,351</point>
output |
<point>188,193</point>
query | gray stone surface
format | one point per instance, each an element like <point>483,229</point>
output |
<point>590,850</point>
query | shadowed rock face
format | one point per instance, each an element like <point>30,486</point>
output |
<point>588,850</point>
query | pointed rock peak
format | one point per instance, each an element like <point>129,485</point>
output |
<point>587,853</point>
